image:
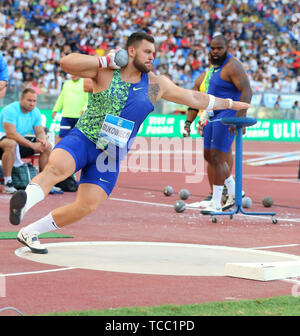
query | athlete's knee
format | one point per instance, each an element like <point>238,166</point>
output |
<point>8,145</point>
<point>86,207</point>
<point>57,172</point>
<point>216,158</point>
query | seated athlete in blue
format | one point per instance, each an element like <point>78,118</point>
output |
<point>120,102</point>
<point>226,78</point>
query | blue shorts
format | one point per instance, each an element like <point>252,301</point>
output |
<point>96,167</point>
<point>66,122</point>
<point>216,135</point>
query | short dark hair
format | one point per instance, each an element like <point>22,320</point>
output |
<point>220,37</point>
<point>138,37</point>
<point>27,90</point>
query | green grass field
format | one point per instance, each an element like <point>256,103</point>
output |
<point>279,306</point>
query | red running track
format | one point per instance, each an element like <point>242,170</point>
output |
<point>122,218</point>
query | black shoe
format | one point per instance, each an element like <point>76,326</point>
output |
<point>16,205</point>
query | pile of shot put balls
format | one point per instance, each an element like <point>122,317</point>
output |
<point>184,194</point>
<point>266,202</point>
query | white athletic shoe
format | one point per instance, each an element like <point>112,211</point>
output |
<point>31,240</point>
<point>206,202</point>
<point>229,203</point>
<point>9,188</point>
<point>211,208</point>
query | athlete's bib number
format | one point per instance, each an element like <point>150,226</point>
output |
<point>115,130</point>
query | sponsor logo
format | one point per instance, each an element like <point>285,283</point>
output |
<point>102,180</point>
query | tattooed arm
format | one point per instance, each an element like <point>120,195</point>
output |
<point>153,92</point>
<point>167,90</point>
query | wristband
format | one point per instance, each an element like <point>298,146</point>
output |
<point>211,103</point>
<point>230,103</point>
<point>103,61</point>
<point>192,109</point>
<point>187,123</point>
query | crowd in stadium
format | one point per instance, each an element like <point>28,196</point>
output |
<point>39,33</point>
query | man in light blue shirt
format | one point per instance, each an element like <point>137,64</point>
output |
<point>16,121</point>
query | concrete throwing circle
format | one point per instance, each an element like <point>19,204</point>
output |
<point>150,257</point>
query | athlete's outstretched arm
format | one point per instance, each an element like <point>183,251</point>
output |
<point>80,65</point>
<point>197,100</point>
<point>86,66</point>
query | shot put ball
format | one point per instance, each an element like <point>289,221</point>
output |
<point>184,194</point>
<point>179,206</point>
<point>246,202</point>
<point>121,58</point>
<point>267,201</point>
<point>168,191</point>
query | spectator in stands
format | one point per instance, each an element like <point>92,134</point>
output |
<point>277,103</point>
<point>296,110</point>
<point>17,82</point>
<point>16,121</point>
<point>55,28</point>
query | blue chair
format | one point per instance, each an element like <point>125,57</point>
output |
<point>239,123</point>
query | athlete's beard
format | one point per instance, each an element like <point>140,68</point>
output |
<point>140,66</point>
<point>219,61</point>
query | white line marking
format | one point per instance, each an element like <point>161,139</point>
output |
<point>291,280</point>
<point>272,156</point>
<point>270,179</point>
<point>141,202</point>
<point>268,175</point>
<point>275,161</point>
<point>297,220</point>
<point>272,246</point>
<point>39,272</point>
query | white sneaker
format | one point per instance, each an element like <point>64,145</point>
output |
<point>31,240</point>
<point>225,195</point>
<point>229,203</point>
<point>211,208</point>
<point>9,188</point>
<point>206,202</point>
